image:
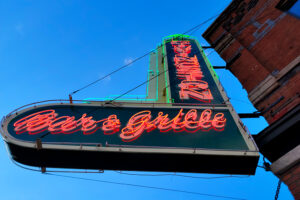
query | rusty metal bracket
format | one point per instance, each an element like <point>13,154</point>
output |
<point>71,99</point>
<point>38,143</point>
<point>43,169</point>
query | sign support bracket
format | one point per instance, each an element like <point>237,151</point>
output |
<point>38,143</point>
<point>71,99</point>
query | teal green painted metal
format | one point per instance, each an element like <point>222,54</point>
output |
<point>157,72</point>
<point>162,46</point>
<point>119,99</point>
<point>147,87</point>
<point>210,71</point>
<point>143,97</point>
<point>181,36</point>
<point>227,139</point>
<point>163,55</point>
<point>176,36</point>
<point>150,70</point>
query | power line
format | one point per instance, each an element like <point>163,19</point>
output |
<point>195,28</point>
<point>143,83</point>
<point>132,174</point>
<point>128,91</point>
<point>207,54</point>
<point>107,75</point>
<point>192,30</point>
<point>278,189</point>
<point>135,185</point>
<point>180,175</point>
<point>145,186</point>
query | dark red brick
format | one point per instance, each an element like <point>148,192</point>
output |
<point>263,57</point>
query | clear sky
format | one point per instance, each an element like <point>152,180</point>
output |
<point>51,48</point>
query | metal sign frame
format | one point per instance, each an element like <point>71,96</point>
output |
<point>122,157</point>
<point>42,153</point>
<point>208,65</point>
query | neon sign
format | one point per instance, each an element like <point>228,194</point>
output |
<point>138,124</point>
<point>189,71</point>
<point>197,127</point>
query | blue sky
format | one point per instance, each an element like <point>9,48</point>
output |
<point>51,48</point>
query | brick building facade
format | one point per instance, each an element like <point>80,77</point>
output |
<point>259,40</point>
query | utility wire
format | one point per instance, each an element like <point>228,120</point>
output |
<point>143,83</point>
<point>180,175</point>
<point>195,28</point>
<point>107,75</point>
<point>124,173</point>
<point>110,101</point>
<point>128,91</point>
<point>278,190</point>
<point>207,54</point>
<point>192,30</point>
<point>145,186</point>
<point>133,185</point>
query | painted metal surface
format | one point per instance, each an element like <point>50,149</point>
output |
<point>189,126</point>
<point>132,126</point>
<point>191,78</point>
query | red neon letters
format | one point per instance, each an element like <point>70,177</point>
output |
<point>188,69</point>
<point>189,122</point>
<point>48,120</point>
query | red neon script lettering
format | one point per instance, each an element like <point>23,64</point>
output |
<point>188,69</point>
<point>141,122</point>
<point>48,120</point>
<point>137,125</point>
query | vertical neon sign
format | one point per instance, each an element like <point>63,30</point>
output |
<point>190,78</point>
<point>189,71</point>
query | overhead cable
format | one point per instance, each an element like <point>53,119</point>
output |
<point>145,186</point>
<point>129,184</point>
<point>107,75</point>
<point>125,173</point>
<point>180,175</point>
<point>195,28</point>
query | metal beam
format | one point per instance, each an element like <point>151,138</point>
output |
<point>207,47</point>
<point>250,115</point>
<point>219,67</point>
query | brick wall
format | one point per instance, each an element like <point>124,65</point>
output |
<point>292,179</point>
<point>260,44</point>
<point>289,91</point>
